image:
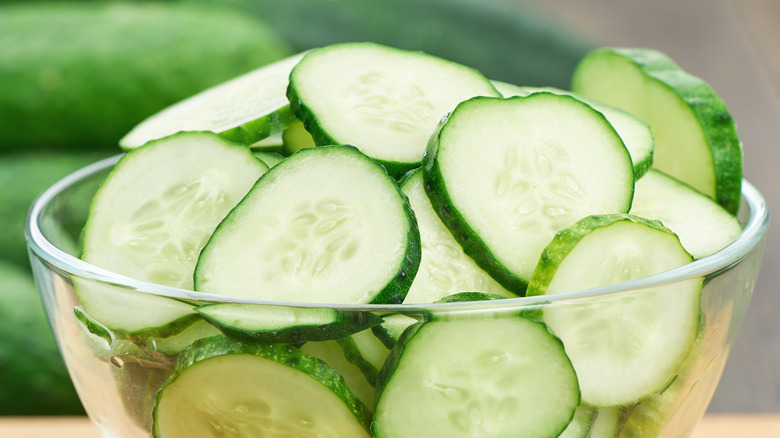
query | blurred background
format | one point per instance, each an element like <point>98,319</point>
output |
<point>77,75</point>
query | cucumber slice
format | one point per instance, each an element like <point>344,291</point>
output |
<point>367,352</point>
<point>383,100</point>
<point>274,323</point>
<point>606,423</point>
<point>270,159</point>
<point>333,354</point>
<point>321,247</point>
<point>392,328</point>
<point>462,297</point>
<point>703,226</point>
<point>471,377</point>
<point>149,221</point>
<point>695,137</point>
<point>635,133</point>
<point>245,109</point>
<point>625,347</point>
<point>581,423</point>
<point>505,175</point>
<point>221,387</point>
<point>444,268</point>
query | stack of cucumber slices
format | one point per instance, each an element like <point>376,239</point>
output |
<point>429,183</point>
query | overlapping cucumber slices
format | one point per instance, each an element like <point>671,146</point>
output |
<point>408,178</point>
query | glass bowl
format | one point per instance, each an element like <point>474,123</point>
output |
<point>118,374</point>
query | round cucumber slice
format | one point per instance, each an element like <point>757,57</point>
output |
<point>475,377</point>
<point>222,387</point>
<point>505,175</point>
<point>695,137</point>
<point>628,346</point>
<point>245,109</point>
<point>150,219</point>
<point>383,100</point>
<point>703,226</point>
<point>351,238</point>
<point>635,133</point>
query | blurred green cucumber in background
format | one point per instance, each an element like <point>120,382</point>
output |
<point>80,75</point>
<point>75,76</point>
<point>32,374</point>
<point>506,40</point>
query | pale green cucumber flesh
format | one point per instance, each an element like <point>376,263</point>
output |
<point>222,387</point>
<point>496,377</point>
<point>245,109</point>
<point>444,268</point>
<point>151,217</point>
<point>295,137</point>
<point>695,136</point>
<point>275,323</point>
<point>392,328</point>
<point>564,161</point>
<point>625,347</point>
<point>581,423</point>
<point>270,159</point>
<point>703,226</point>
<point>635,133</point>
<point>321,248</point>
<point>383,100</point>
<point>332,353</point>
<point>606,423</point>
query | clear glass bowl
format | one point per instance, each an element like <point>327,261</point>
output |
<point>118,375</point>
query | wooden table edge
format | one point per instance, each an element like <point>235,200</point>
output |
<point>712,426</point>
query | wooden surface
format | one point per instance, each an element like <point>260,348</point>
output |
<point>712,426</point>
<point>733,45</point>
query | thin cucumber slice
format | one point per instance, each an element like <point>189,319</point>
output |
<point>635,133</point>
<point>245,109</point>
<point>178,342</point>
<point>220,387</point>
<point>391,329</point>
<point>625,347</point>
<point>351,239</point>
<point>271,144</point>
<point>703,226</point>
<point>462,297</point>
<point>332,353</point>
<point>270,159</point>
<point>274,323</point>
<point>505,175</point>
<point>474,377</point>
<point>367,352</point>
<point>383,100</point>
<point>581,423</point>
<point>444,268</point>
<point>695,137</point>
<point>606,423</point>
<point>150,219</point>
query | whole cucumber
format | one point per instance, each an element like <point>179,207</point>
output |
<point>79,75</point>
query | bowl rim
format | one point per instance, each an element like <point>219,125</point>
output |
<point>753,232</point>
